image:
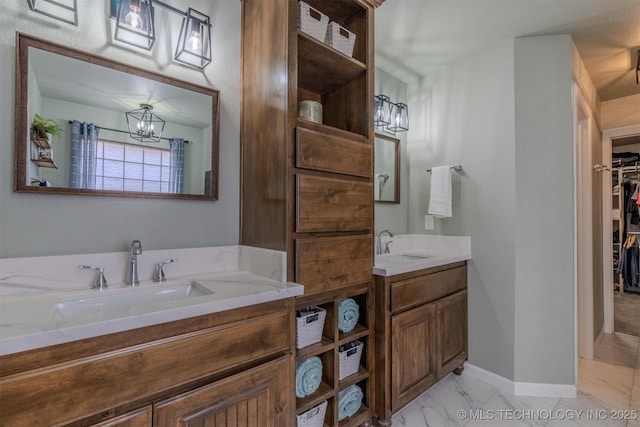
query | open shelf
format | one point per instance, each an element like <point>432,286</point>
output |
<point>323,68</point>
<point>324,392</point>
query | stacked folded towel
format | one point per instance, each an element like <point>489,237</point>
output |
<point>308,376</point>
<point>348,313</point>
<point>349,401</point>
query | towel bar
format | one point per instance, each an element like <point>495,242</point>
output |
<point>457,168</point>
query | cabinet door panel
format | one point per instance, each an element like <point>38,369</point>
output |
<point>330,153</point>
<point>329,263</point>
<point>258,397</point>
<point>327,204</point>
<point>413,354</point>
<point>452,332</point>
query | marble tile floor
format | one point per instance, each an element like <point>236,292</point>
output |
<point>608,386</point>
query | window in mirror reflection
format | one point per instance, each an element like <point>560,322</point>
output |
<point>386,183</point>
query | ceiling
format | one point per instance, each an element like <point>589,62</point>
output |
<point>417,37</point>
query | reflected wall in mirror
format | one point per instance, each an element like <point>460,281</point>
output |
<point>97,155</point>
<point>386,181</point>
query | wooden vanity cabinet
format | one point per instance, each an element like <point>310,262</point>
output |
<point>421,333</point>
<point>235,364</point>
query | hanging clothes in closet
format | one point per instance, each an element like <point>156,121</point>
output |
<point>629,265</point>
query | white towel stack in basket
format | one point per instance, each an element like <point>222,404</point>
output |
<point>315,23</point>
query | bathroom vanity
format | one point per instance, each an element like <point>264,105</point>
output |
<point>213,344</point>
<point>233,365</point>
<point>420,318</point>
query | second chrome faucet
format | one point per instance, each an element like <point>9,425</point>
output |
<point>132,269</point>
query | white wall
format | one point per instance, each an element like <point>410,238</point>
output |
<point>464,114</point>
<point>544,303</point>
<point>32,225</point>
<point>621,112</point>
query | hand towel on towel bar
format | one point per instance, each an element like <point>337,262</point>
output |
<point>440,198</point>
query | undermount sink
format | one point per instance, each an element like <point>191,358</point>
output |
<point>126,300</point>
<point>402,258</point>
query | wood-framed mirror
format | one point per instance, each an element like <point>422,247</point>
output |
<point>85,99</point>
<point>386,184</point>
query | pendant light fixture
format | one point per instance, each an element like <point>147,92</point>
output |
<point>399,118</point>
<point>134,23</point>
<point>62,10</point>
<point>382,110</point>
<point>144,125</point>
<point>194,44</point>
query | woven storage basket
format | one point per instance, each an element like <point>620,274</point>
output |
<point>350,354</point>
<point>309,325</point>
<point>340,38</point>
<point>312,21</point>
<point>314,417</point>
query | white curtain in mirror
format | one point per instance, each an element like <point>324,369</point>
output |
<point>176,172</point>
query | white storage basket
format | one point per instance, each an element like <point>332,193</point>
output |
<point>309,325</point>
<point>340,38</point>
<point>314,417</point>
<point>350,354</point>
<point>312,21</point>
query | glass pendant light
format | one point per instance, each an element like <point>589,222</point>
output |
<point>399,118</point>
<point>134,23</point>
<point>62,10</point>
<point>382,110</point>
<point>194,44</point>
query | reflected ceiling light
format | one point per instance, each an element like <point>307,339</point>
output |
<point>399,118</point>
<point>62,10</point>
<point>382,110</point>
<point>135,26</point>
<point>134,23</point>
<point>144,125</point>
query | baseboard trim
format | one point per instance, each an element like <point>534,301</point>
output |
<point>489,377</point>
<point>545,390</point>
<point>519,388</point>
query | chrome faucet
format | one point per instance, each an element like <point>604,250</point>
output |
<point>132,271</point>
<point>379,242</point>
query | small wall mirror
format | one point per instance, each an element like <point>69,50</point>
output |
<point>386,183</point>
<point>94,149</point>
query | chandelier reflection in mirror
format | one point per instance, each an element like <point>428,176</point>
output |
<point>390,116</point>
<point>144,125</point>
<point>135,25</point>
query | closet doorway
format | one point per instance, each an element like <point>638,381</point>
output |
<point>621,230</point>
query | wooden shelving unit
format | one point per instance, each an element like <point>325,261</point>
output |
<point>313,182</point>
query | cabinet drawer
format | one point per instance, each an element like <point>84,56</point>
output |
<point>327,204</point>
<point>328,263</point>
<point>330,153</point>
<point>74,390</point>
<point>430,287</point>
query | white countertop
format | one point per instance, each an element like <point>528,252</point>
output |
<point>30,321</point>
<point>412,252</point>
<point>48,300</point>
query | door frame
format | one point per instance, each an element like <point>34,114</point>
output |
<point>583,202</point>
<point>608,135</point>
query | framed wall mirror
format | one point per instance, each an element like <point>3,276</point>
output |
<point>386,183</point>
<point>115,130</point>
